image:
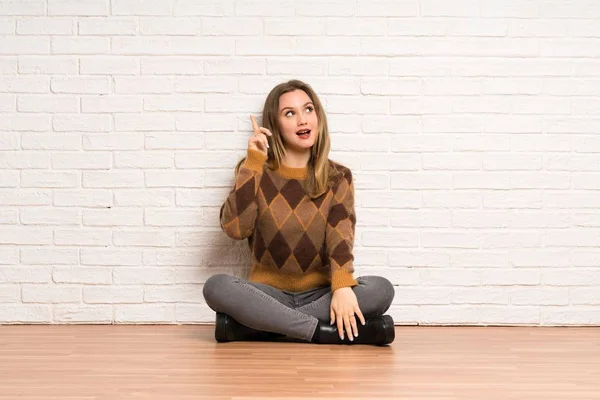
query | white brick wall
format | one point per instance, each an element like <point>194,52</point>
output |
<point>472,128</point>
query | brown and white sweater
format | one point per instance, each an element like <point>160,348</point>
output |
<point>297,243</point>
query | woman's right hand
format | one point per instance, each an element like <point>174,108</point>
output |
<point>258,141</point>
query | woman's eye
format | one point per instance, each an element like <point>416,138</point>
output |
<point>308,108</point>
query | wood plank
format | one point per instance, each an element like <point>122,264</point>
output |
<point>184,362</point>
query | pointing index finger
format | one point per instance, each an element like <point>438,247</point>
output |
<point>254,124</point>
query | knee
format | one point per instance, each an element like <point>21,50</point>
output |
<point>381,291</point>
<point>214,289</point>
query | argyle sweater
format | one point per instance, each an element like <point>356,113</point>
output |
<point>297,243</point>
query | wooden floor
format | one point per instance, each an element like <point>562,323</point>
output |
<point>184,362</point>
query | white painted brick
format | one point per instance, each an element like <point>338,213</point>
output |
<point>106,26</point>
<point>204,159</point>
<point>16,122</point>
<point>113,217</point>
<point>480,180</point>
<point>450,277</point>
<point>541,258</point>
<point>9,217</point>
<point>572,200</point>
<point>112,294</point>
<point>438,161</point>
<point>16,45</point>
<point>421,180</point>
<point>499,240</point>
<point>143,238</point>
<point>585,296</point>
<point>83,198</point>
<point>47,104</point>
<point>10,293</point>
<point>30,7</point>
<point>54,65</point>
<point>170,26</point>
<point>87,160</point>
<point>113,141</point>
<point>111,257</point>
<point>389,239</point>
<point>132,159</point>
<point>173,293</point>
<point>8,65</point>
<point>585,180</point>
<point>25,313</point>
<point>49,179</point>
<point>80,45</point>
<point>565,316</point>
<point>25,197</point>
<point>208,122</point>
<point>200,197</point>
<point>51,293</point>
<point>9,178</point>
<point>420,218</point>
<point>50,216</point>
<point>172,257</point>
<point>441,314</point>
<point>218,178</point>
<point>533,143</point>
<point>52,141</point>
<point>8,103</point>
<point>174,103</point>
<point>175,178</point>
<point>141,7</point>
<point>76,313</point>
<point>93,276</point>
<point>25,235</point>
<point>568,48</point>
<point>479,295</point>
<point>219,103</point>
<point>144,122</point>
<point>81,85</point>
<point>109,65</point>
<point>7,26</point>
<point>207,8</point>
<point>49,256</point>
<point>450,239</point>
<point>172,217</point>
<point>539,296</point>
<point>179,45</point>
<point>144,198</point>
<point>480,259</point>
<point>495,315</point>
<point>25,84</point>
<point>78,7</point>
<point>144,313</point>
<point>171,66</point>
<point>45,26</point>
<point>9,141</point>
<point>513,199</point>
<point>585,258</point>
<point>247,26</point>
<point>576,237</point>
<point>189,84</point>
<point>82,237</point>
<point>584,219</point>
<point>146,276</point>
<point>393,199</point>
<point>190,313</point>
<point>26,274</point>
<point>510,277</point>
<point>113,179</point>
<point>538,28</point>
<point>568,162</point>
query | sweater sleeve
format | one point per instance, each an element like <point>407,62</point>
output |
<point>238,213</point>
<point>340,233</point>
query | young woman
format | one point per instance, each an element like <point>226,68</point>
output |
<point>296,208</point>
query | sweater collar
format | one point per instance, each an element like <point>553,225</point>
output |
<point>292,173</point>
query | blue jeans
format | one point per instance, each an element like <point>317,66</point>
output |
<point>294,314</point>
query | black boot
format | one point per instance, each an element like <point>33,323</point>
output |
<point>377,331</point>
<point>228,329</point>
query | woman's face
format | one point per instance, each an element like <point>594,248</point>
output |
<point>297,114</point>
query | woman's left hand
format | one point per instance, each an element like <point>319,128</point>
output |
<point>344,306</point>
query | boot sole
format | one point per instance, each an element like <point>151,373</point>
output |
<point>220,328</point>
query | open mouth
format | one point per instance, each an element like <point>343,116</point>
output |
<point>303,133</point>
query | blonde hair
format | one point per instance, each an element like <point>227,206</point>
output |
<point>320,169</point>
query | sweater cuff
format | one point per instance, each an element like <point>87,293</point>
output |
<point>255,160</point>
<point>342,279</point>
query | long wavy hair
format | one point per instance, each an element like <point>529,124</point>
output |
<point>320,169</point>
